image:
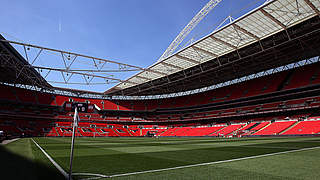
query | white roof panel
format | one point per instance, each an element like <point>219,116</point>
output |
<point>258,24</point>
<point>234,37</point>
<point>149,75</point>
<point>165,69</point>
<point>289,12</point>
<point>180,62</point>
<point>193,53</point>
<point>316,4</point>
<point>214,47</point>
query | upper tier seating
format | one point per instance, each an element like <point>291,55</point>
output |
<point>7,93</point>
<point>302,76</point>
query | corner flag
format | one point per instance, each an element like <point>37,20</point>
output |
<point>76,119</point>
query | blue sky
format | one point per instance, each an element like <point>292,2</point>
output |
<point>130,31</point>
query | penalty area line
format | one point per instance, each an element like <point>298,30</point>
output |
<point>64,173</point>
<point>215,162</point>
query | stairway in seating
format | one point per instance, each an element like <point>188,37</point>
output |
<point>235,130</point>
<point>286,80</point>
<point>97,131</point>
<point>253,126</point>
<point>217,130</point>
<point>58,134</point>
<point>290,127</point>
<point>263,128</point>
<point>129,132</point>
<point>115,132</point>
<point>78,132</point>
<point>163,132</point>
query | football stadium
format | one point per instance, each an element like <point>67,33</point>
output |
<point>240,102</point>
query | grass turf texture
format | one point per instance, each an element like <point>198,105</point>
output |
<point>110,156</point>
<point>23,160</point>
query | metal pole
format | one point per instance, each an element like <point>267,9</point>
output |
<point>75,123</point>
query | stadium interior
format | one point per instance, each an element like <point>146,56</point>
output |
<point>269,87</point>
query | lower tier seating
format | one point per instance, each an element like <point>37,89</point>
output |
<point>275,128</point>
<point>304,127</point>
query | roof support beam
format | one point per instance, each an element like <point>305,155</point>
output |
<point>245,31</point>
<point>312,7</point>
<point>272,18</point>
<point>204,51</point>
<point>187,59</point>
<point>223,42</point>
<point>171,65</point>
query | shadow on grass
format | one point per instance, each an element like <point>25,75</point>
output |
<point>13,166</point>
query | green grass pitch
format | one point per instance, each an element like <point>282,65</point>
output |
<point>119,156</point>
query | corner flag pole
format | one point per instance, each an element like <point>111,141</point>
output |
<point>75,124</point>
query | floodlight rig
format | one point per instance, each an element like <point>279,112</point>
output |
<point>69,70</point>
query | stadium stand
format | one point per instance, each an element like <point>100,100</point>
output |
<point>257,107</point>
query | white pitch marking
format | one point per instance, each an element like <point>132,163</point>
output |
<point>89,174</point>
<point>9,141</point>
<point>93,178</point>
<point>173,168</point>
<point>99,176</point>
<point>210,163</point>
<point>52,161</point>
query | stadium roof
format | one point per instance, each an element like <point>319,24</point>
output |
<point>275,34</point>
<point>254,28</point>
